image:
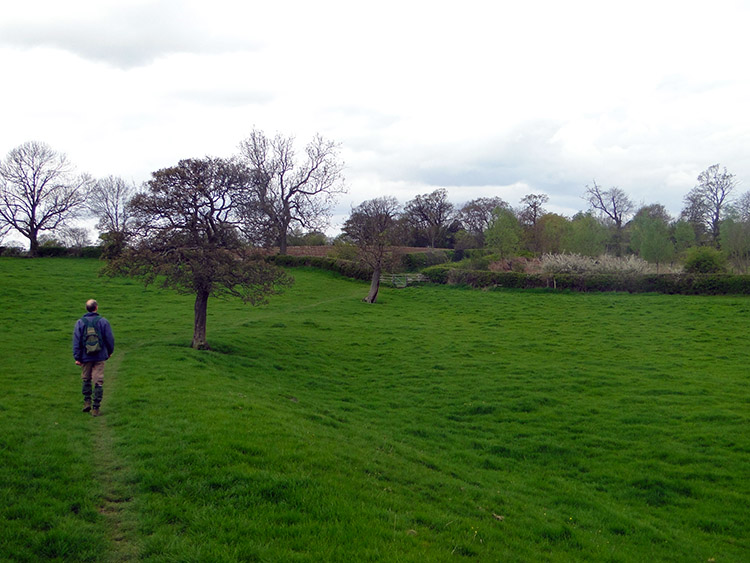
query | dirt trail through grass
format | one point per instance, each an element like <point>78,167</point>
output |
<point>112,475</point>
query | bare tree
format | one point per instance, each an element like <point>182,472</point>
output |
<point>476,216</point>
<point>614,205</point>
<point>431,214</point>
<point>74,237</point>
<point>4,229</point>
<point>528,216</point>
<point>108,201</point>
<point>742,207</point>
<point>707,203</point>
<point>39,191</point>
<point>532,209</point>
<point>186,237</point>
<point>371,227</point>
<point>285,191</point>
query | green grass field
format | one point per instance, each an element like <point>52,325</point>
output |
<point>439,424</point>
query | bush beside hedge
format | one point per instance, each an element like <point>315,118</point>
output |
<point>686,284</point>
<point>417,261</point>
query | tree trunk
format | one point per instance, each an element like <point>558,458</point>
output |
<point>374,287</point>
<point>285,221</point>
<point>199,328</point>
<point>33,245</point>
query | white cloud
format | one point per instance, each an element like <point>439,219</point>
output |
<point>483,98</point>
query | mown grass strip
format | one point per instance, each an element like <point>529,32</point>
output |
<point>114,480</point>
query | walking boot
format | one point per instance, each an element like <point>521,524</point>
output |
<point>95,412</point>
<point>86,406</point>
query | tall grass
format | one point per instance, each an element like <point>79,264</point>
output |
<point>440,423</point>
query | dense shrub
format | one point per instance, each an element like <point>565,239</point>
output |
<point>52,251</point>
<point>515,264</point>
<point>344,251</point>
<point>90,252</point>
<point>474,263</point>
<point>705,260</point>
<point>437,274</point>
<point>417,261</point>
<point>13,251</point>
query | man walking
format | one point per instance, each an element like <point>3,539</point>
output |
<point>93,344</point>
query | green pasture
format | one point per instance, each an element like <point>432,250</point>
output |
<point>440,424</point>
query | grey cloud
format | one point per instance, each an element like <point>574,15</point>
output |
<point>524,154</point>
<point>529,155</point>
<point>126,37</point>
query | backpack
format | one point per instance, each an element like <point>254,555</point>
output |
<point>92,338</point>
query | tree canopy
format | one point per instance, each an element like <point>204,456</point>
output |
<point>431,214</point>
<point>371,227</point>
<point>186,236</point>
<point>707,203</point>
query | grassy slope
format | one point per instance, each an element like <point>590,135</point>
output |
<point>438,423</point>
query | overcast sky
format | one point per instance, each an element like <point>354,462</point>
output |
<point>483,98</point>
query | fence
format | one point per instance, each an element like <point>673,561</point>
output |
<point>402,280</point>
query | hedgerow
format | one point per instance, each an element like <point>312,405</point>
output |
<point>64,252</point>
<point>688,284</point>
<point>346,268</point>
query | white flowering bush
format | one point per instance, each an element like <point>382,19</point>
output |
<point>605,264</point>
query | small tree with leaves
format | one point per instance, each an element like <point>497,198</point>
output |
<point>650,238</point>
<point>504,233</point>
<point>371,227</point>
<point>585,235</point>
<point>186,237</point>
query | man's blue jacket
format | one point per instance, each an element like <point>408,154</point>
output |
<point>79,349</point>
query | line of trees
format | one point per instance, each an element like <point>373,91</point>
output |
<point>276,196</point>
<point>192,227</point>
<point>612,224</point>
<point>41,194</point>
<point>713,218</point>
